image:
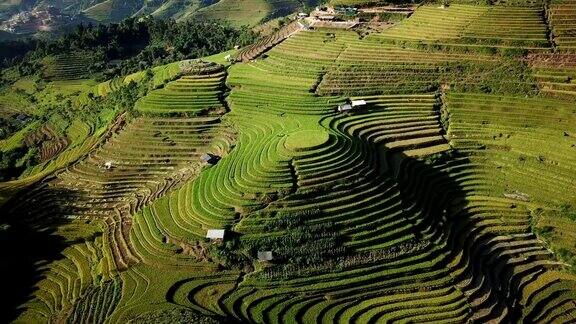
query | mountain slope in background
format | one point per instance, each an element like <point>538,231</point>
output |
<point>28,17</point>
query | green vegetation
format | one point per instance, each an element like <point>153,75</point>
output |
<point>360,3</point>
<point>238,12</point>
<point>305,140</point>
<point>109,11</point>
<point>248,12</point>
<point>556,227</point>
<point>466,25</point>
<point>126,47</point>
<point>561,16</point>
<point>190,95</point>
<point>54,93</point>
<point>445,196</point>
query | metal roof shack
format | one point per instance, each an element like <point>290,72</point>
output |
<point>215,234</point>
<point>265,256</point>
<point>209,158</point>
<point>345,107</point>
<point>358,103</point>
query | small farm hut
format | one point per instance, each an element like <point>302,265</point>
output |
<point>108,165</point>
<point>358,103</point>
<point>265,256</point>
<point>351,105</point>
<point>345,107</point>
<point>209,158</point>
<point>215,234</point>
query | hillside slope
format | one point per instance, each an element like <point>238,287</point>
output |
<point>421,172</point>
<point>32,16</point>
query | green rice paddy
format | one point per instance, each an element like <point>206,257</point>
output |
<point>446,198</point>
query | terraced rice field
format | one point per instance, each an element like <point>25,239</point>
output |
<point>562,15</point>
<point>252,51</point>
<point>448,197</point>
<point>68,67</point>
<point>189,95</point>
<point>499,26</point>
<point>556,74</point>
<point>247,12</point>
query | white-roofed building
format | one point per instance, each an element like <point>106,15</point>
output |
<point>215,234</point>
<point>351,105</point>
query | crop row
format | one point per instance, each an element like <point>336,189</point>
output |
<point>510,140</point>
<point>67,67</point>
<point>252,51</point>
<point>496,26</point>
<point>137,163</point>
<point>407,241</point>
<point>562,16</point>
<point>189,95</point>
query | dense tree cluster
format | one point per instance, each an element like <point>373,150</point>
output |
<point>16,160</point>
<point>138,42</point>
<point>8,126</point>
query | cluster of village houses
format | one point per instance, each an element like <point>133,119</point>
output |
<point>39,18</point>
